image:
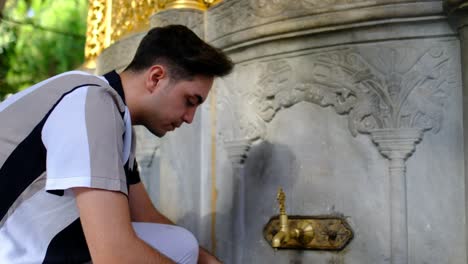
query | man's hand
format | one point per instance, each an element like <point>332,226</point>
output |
<point>105,217</point>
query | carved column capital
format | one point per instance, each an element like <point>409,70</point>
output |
<point>396,143</point>
<point>237,151</point>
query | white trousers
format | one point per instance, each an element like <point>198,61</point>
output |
<point>175,242</point>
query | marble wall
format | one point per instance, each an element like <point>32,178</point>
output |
<point>337,102</point>
<point>355,108</point>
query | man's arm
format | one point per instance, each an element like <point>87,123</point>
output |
<point>143,210</point>
<point>105,217</point>
<point>141,207</point>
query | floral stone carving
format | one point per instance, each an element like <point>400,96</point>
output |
<point>392,93</point>
<point>392,90</point>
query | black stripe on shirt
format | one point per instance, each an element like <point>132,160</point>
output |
<point>69,246</point>
<point>26,163</point>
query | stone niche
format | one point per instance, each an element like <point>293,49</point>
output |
<point>354,107</point>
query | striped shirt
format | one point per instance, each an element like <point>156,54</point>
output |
<point>72,130</point>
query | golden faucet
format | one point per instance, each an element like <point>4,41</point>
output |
<point>306,232</point>
<point>283,234</point>
<point>301,231</point>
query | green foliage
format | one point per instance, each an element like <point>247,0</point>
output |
<point>39,39</point>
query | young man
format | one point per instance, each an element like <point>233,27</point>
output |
<point>70,190</point>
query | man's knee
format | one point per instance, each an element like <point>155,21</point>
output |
<point>188,246</point>
<point>175,242</point>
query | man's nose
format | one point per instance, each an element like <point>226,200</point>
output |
<point>189,115</point>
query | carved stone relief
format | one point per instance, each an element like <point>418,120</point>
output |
<point>245,124</point>
<point>233,16</point>
<point>240,129</point>
<point>387,88</point>
<point>378,87</point>
<point>392,92</point>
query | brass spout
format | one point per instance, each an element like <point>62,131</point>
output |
<point>303,232</point>
<point>279,239</point>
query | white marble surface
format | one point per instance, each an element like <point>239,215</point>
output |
<point>303,93</point>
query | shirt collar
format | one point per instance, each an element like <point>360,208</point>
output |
<point>115,82</point>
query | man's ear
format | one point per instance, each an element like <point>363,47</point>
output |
<point>154,75</point>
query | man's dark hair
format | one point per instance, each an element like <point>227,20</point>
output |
<point>182,51</point>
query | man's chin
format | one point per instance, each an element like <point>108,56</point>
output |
<point>158,133</point>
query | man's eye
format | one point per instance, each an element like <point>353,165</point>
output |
<point>190,102</point>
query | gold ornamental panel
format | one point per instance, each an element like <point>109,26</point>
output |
<point>97,34</point>
<point>130,17</point>
<point>193,4</point>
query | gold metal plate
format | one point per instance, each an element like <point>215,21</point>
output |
<point>311,233</point>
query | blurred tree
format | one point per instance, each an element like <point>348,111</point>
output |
<point>38,39</point>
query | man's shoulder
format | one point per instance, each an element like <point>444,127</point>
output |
<point>81,77</point>
<point>98,86</point>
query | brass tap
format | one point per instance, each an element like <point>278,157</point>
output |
<point>306,232</point>
<point>283,234</point>
<point>302,232</point>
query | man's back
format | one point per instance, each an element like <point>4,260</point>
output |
<point>39,221</point>
<point>65,154</point>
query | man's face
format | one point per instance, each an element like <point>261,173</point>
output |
<point>174,102</point>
